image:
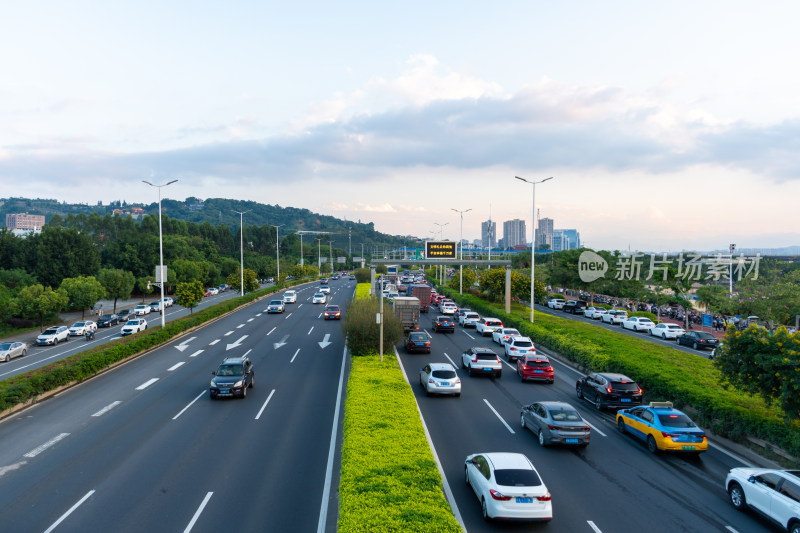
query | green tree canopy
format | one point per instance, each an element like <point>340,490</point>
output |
<point>117,284</point>
<point>83,292</point>
<point>37,301</point>
<point>189,294</point>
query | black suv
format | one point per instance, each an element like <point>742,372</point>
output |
<point>609,390</point>
<point>444,324</point>
<point>232,378</point>
<point>575,307</point>
<point>107,321</point>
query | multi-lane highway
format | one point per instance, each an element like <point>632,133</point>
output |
<point>612,485</point>
<point>144,448</point>
<point>39,356</point>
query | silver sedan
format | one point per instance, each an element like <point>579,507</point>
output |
<point>555,423</point>
<point>10,350</point>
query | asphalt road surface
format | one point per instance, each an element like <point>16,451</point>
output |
<point>144,448</point>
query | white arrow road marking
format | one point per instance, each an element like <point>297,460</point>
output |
<point>182,346</point>
<point>43,447</point>
<point>146,384</point>
<point>325,343</point>
<point>282,342</point>
<point>107,408</point>
<point>237,343</point>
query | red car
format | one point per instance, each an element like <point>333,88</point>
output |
<point>333,312</point>
<point>536,367</point>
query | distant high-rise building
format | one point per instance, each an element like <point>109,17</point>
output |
<point>544,233</point>
<point>566,239</point>
<point>488,234</point>
<point>24,221</point>
<point>514,233</point>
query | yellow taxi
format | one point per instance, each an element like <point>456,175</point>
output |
<point>663,428</point>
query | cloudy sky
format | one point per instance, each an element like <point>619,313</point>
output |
<point>666,126</point>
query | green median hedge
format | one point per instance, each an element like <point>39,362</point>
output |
<point>81,366</point>
<point>664,373</point>
<point>389,479</point>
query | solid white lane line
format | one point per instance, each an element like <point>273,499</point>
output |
<point>295,355</point>
<point>107,408</point>
<point>71,509</point>
<point>498,416</point>
<point>451,361</point>
<point>240,326</point>
<point>195,354</point>
<point>309,331</point>
<point>197,513</point>
<point>265,404</point>
<point>146,384</point>
<point>273,329</point>
<point>212,343</point>
<point>594,527</point>
<point>229,333</point>
<point>732,455</point>
<point>188,406</point>
<point>468,335</point>
<point>36,451</point>
<point>594,428</point>
<point>326,491</point>
<point>250,319</point>
<point>247,352</point>
<point>176,366</point>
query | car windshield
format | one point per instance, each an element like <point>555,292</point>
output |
<point>675,420</point>
<point>78,324</point>
<point>444,374</point>
<point>132,323</point>
<point>230,370</point>
<point>275,302</point>
<point>625,386</point>
<point>5,346</point>
<point>50,331</point>
<point>319,295</point>
<point>332,309</point>
<point>517,478</point>
<point>565,415</point>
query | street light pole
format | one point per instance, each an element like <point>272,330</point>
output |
<point>161,250</point>
<point>241,247</point>
<point>732,248</point>
<point>278,252</point>
<point>461,245</point>
<point>533,230</point>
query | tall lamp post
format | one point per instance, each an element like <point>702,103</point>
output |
<point>278,252</point>
<point>241,247</point>
<point>161,273</point>
<point>461,245</point>
<point>533,229</point>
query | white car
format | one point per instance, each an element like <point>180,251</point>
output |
<point>593,312</point>
<point>80,328</point>
<point>485,326</point>
<point>213,291</point>
<point>141,310</point>
<point>325,289</point>
<point>772,493</point>
<point>518,347</point>
<point>168,302</point>
<point>508,486</point>
<point>53,335</point>
<point>10,350</point>
<point>501,335</point>
<point>469,320</point>
<point>439,378</point>
<point>638,323</point>
<point>290,297</point>
<point>463,311</point>
<point>556,303</point>
<point>614,316</point>
<point>666,331</point>
<point>134,325</point>
<point>319,298</point>
<point>449,308</point>
<point>276,306</point>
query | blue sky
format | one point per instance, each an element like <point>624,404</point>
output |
<point>666,127</point>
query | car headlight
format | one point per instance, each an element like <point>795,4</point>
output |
<point>212,384</point>
<point>238,384</point>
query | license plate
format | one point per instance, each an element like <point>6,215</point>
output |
<point>444,384</point>
<point>625,400</point>
<point>524,500</point>
<point>224,391</point>
<point>487,369</point>
<point>420,344</point>
<point>538,371</point>
<point>687,447</point>
<point>571,441</point>
<point>523,351</point>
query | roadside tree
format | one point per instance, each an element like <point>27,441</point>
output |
<point>189,294</point>
<point>83,292</point>
<point>250,281</point>
<point>37,301</point>
<point>117,283</point>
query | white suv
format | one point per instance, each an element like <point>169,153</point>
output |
<point>479,360</point>
<point>774,494</point>
<point>519,347</point>
<point>556,303</point>
<point>485,326</point>
<point>290,297</point>
<point>469,320</point>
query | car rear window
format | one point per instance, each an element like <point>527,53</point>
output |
<point>444,374</point>
<point>562,415</point>
<point>676,420</point>
<point>418,337</point>
<point>523,344</point>
<point>493,323</point>
<point>537,363</point>
<point>473,315</point>
<point>628,386</point>
<point>487,357</point>
<point>517,478</point>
